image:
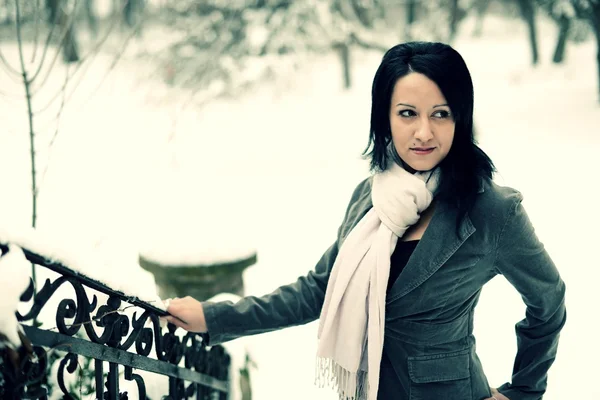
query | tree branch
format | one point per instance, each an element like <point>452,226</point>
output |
<point>46,47</point>
<point>92,54</point>
<point>65,32</point>
<point>354,39</point>
<point>26,83</point>
<point>114,62</point>
<point>36,20</point>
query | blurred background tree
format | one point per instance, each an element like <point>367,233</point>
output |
<point>216,48</point>
<point>43,33</point>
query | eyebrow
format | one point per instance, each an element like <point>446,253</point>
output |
<point>411,106</point>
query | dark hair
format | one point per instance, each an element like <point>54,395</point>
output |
<point>466,164</point>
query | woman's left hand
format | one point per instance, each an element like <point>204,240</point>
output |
<point>496,395</point>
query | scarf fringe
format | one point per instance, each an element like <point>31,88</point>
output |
<point>349,385</point>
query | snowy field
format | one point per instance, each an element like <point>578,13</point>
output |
<point>273,170</point>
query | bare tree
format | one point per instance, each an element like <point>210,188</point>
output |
<point>590,10</point>
<point>411,17</point>
<point>434,20</point>
<point>35,73</point>
<point>91,17</point>
<point>220,38</point>
<point>480,7</point>
<point>8,12</point>
<point>456,14</point>
<point>527,9</point>
<point>563,13</point>
<point>358,27</point>
<point>564,24</point>
<point>133,13</point>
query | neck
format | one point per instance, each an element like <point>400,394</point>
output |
<point>407,167</point>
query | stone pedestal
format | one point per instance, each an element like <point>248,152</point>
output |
<point>199,281</point>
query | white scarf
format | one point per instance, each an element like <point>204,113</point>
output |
<point>352,322</point>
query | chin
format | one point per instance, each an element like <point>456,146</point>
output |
<point>421,167</point>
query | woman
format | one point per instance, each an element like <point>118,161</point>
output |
<point>397,290</point>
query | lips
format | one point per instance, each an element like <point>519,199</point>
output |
<point>422,150</point>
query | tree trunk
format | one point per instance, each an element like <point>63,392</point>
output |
<point>564,23</point>
<point>52,7</point>
<point>132,14</point>
<point>411,11</point>
<point>70,49</point>
<point>9,12</point>
<point>454,18</point>
<point>344,50</point>
<point>411,17</point>
<point>27,82</point>
<point>91,17</point>
<point>481,7</point>
<point>362,13</point>
<point>595,20</point>
<point>128,11</point>
<point>598,62</point>
<point>58,15</point>
<point>527,8</point>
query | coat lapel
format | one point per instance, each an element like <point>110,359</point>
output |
<point>438,243</point>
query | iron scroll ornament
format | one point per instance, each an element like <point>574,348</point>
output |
<point>109,336</point>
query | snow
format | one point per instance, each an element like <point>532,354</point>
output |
<point>80,257</point>
<point>238,350</point>
<point>564,7</point>
<point>157,385</point>
<point>15,265</point>
<point>195,228</point>
<point>275,171</point>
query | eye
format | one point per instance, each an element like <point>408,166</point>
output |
<point>442,114</point>
<point>407,113</point>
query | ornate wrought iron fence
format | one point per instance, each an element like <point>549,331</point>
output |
<point>195,370</point>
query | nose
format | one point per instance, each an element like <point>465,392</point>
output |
<point>423,131</point>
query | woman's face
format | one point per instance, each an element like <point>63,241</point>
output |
<point>421,122</point>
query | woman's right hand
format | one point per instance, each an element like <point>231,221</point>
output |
<point>189,313</point>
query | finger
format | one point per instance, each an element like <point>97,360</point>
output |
<point>177,322</point>
<point>175,306</point>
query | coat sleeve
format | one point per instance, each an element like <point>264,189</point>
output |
<point>290,305</point>
<point>522,259</point>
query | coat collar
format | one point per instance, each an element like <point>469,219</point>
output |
<point>481,186</point>
<point>438,243</point>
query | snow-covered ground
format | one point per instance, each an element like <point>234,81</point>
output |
<point>275,170</point>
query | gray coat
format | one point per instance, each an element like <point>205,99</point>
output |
<point>429,348</point>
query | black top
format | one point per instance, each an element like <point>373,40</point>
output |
<point>399,259</point>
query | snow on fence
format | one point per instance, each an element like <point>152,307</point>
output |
<point>113,343</point>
